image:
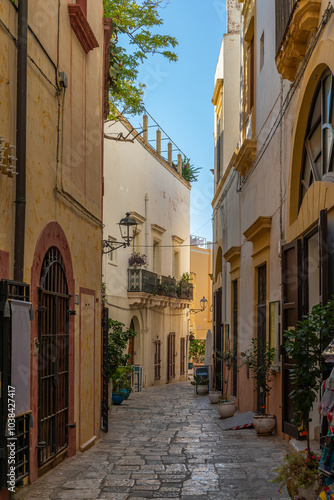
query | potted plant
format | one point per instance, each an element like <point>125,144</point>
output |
<point>259,359</point>
<point>299,472</point>
<point>305,343</point>
<point>118,358</point>
<point>197,350</point>
<point>202,384</point>
<point>137,259</point>
<point>226,407</point>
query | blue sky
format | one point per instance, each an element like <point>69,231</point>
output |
<point>178,95</point>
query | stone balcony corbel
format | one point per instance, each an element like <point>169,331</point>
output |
<point>303,22</point>
<point>246,156</point>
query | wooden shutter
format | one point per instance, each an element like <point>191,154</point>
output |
<point>171,356</point>
<point>291,312</point>
<point>282,13</point>
<point>323,257</point>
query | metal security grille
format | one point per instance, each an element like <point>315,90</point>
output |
<point>104,403</point>
<point>53,323</point>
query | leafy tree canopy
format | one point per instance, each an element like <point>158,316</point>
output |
<point>136,20</point>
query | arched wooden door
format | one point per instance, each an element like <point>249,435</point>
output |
<point>53,361</point>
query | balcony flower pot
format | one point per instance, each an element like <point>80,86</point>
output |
<point>226,408</point>
<point>264,424</point>
<point>214,396</point>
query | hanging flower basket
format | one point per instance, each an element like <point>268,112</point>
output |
<point>137,260</point>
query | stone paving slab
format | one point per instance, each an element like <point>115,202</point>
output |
<point>167,443</point>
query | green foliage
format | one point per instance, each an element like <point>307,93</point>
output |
<point>298,470</point>
<point>185,277</point>
<point>117,343</point>
<point>259,359</point>
<point>121,378</point>
<point>305,344</point>
<point>200,381</point>
<point>136,20</point>
<point>197,350</point>
<point>230,360</point>
<point>189,172</point>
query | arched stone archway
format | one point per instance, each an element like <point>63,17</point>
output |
<point>52,235</point>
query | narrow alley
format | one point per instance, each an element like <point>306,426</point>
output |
<point>166,442</point>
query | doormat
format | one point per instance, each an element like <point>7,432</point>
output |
<point>238,421</point>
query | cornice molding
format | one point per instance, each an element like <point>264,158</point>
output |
<point>218,88</point>
<point>246,156</point>
<point>81,28</point>
<point>261,226</point>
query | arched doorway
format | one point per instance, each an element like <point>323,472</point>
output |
<point>53,358</point>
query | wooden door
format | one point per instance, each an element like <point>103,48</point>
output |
<point>292,279</point>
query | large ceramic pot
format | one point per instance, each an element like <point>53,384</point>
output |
<point>125,392</point>
<point>226,409</point>
<point>214,396</point>
<point>311,493</point>
<point>264,424</point>
<point>117,398</point>
<point>202,389</point>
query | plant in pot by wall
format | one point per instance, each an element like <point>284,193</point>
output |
<point>118,359</point>
<point>226,407</point>
<point>299,472</point>
<point>259,360</point>
<point>305,343</point>
<point>197,350</point>
<point>137,259</point>
<point>202,384</point>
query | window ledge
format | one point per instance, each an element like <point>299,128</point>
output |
<point>81,28</point>
<point>303,22</point>
<point>246,156</point>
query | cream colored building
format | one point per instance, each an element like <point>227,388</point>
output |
<point>139,181</point>
<point>273,203</point>
<point>51,226</point>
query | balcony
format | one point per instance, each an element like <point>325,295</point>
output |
<point>148,289</point>
<point>295,22</point>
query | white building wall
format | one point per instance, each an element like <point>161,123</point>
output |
<point>136,180</point>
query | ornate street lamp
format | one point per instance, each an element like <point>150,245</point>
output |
<point>127,227</point>
<point>203,303</point>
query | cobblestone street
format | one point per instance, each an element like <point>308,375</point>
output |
<point>166,442</point>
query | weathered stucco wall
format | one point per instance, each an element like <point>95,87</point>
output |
<point>64,184</point>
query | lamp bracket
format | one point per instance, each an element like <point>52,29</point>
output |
<point>110,246</point>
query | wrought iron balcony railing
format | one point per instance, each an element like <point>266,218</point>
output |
<point>141,280</point>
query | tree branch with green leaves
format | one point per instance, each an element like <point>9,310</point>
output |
<point>138,22</point>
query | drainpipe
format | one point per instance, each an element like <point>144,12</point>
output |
<point>21,139</point>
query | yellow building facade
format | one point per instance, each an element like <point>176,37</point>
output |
<point>51,216</point>
<point>200,269</point>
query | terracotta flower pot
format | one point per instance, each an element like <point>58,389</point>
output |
<point>310,493</point>
<point>202,389</point>
<point>264,424</point>
<point>214,396</point>
<point>226,409</point>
